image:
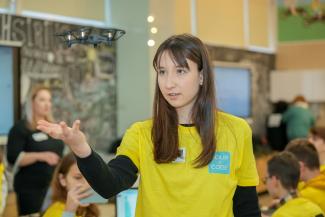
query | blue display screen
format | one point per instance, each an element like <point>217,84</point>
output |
<point>126,202</point>
<point>6,90</point>
<point>233,90</point>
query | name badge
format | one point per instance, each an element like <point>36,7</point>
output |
<point>220,163</point>
<point>181,157</point>
<point>39,137</point>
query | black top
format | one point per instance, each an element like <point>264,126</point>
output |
<point>121,173</point>
<point>37,175</point>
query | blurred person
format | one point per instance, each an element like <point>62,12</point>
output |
<point>3,187</point>
<point>313,181</point>
<point>68,188</point>
<point>32,153</point>
<point>283,172</point>
<point>298,119</point>
<point>276,129</point>
<point>317,138</point>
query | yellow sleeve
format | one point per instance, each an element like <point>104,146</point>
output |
<point>130,144</point>
<point>247,173</point>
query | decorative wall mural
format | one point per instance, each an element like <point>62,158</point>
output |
<point>82,78</point>
<point>301,20</point>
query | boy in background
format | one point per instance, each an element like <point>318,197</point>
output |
<point>313,181</point>
<point>282,178</point>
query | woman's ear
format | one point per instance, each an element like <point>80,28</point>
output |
<point>62,180</point>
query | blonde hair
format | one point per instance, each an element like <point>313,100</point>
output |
<point>31,122</point>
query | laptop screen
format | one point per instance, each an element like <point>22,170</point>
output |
<point>126,202</point>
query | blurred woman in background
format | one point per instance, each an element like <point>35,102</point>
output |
<point>33,154</point>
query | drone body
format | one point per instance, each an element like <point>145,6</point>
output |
<point>86,36</point>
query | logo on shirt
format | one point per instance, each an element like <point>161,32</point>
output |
<point>39,137</point>
<point>220,163</point>
<point>181,156</point>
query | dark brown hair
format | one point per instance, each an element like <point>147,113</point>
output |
<point>165,119</point>
<point>304,152</point>
<point>60,192</point>
<point>285,167</point>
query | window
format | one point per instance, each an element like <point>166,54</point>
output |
<point>233,90</point>
<point>9,89</point>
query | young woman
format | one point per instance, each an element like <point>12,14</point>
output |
<point>32,153</point>
<point>193,160</point>
<point>68,187</point>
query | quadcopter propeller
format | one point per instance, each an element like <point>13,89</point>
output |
<point>112,34</point>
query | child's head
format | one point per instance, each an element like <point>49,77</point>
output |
<point>305,152</point>
<point>67,175</point>
<point>282,174</point>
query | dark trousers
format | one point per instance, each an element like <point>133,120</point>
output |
<point>30,201</point>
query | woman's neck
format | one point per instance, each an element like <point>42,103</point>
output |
<point>38,117</point>
<point>184,118</point>
<point>184,115</point>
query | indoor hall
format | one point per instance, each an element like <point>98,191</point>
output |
<point>94,61</point>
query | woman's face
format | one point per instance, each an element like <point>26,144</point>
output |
<point>178,85</point>
<point>73,178</point>
<point>42,103</point>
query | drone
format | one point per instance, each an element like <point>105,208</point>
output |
<point>86,35</point>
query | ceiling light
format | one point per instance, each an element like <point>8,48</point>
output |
<point>150,19</point>
<point>153,30</point>
<point>151,43</point>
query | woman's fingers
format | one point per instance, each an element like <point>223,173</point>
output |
<point>64,127</point>
<point>80,189</point>
<point>47,127</point>
<point>44,123</point>
<point>84,195</point>
<point>76,125</point>
<point>43,126</point>
<point>81,192</point>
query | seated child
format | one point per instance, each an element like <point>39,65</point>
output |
<point>313,181</point>
<point>282,178</point>
<point>68,188</point>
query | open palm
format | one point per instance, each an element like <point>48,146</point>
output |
<point>71,136</point>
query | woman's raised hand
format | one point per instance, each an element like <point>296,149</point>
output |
<point>73,137</point>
